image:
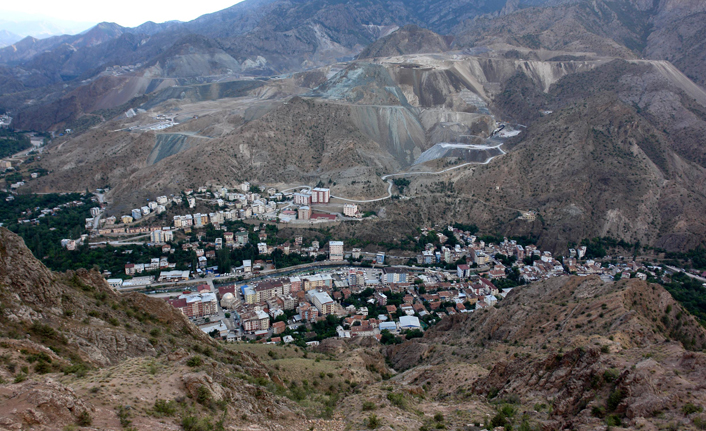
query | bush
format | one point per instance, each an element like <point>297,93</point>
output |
<point>397,400</point>
<point>614,399</point>
<point>42,368</point>
<point>20,378</point>
<point>203,395</point>
<point>368,406</point>
<point>84,419</point>
<point>690,408</point>
<point>155,332</point>
<point>164,407</point>
<point>194,361</point>
<point>373,422</point>
<point>439,417</point>
<point>611,374</point>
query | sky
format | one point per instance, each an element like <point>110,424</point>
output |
<point>128,13</point>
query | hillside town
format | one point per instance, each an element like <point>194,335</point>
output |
<point>241,203</point>
<point>385,302</point>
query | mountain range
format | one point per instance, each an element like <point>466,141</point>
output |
<point>607,98</point>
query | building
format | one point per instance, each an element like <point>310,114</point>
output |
<point>350,210</point>
<point>307,312</point>
<point>255,321</point>
<point>136,214</point>
<point>335,249</point>
<point>380,258</point>
<point>172,276</point>
<point>196,305</point>
<point>322,301</point>
<point>410,322</point>
<point>463,271</point>
<point>320,196</point>
<point>304,213</point>
<point>302,198</point>
<point>161,236</point>
<point>394,275</point>
<point>241,238</point>
<point>115,283</point>
<point>278,327</point>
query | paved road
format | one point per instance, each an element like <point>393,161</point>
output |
<point>695,277</point>
<point>409,174</point>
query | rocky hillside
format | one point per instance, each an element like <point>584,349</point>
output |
<point>72,352</point>
<point>410,39</point>
<point>572,353</point>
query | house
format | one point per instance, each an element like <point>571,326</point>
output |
<point>278,327</point>
<point>463,271</point>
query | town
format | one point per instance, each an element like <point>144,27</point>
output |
<point>331,289</point>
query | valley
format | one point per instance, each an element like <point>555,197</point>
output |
<point>382,214</point>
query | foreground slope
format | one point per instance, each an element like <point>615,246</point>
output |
<point>594,352</point>
<point>73,351</point>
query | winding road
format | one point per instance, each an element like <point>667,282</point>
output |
<point>404,174</point>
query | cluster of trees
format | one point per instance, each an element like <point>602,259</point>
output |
<point>690,293</point>
<point>12,142</point>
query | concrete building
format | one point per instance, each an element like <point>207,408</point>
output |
<point>304,213</point>
<point>322,301</point>
<point>350,210</point>
<point>335,250</point>
<point>303,198</point>
<point>196,305</point>
<point>161,236</point>
<point>320,196</point>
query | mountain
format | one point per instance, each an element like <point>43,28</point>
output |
<point>569,352</point>
<point>8,38</point>
<point>661,30</point>
<point>573,353</point>
<point>61,332</point>
<point>410,39</point>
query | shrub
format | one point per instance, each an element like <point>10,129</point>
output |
<point>84,419</point>
<point>611,374</point>
<point>164,407</point>
<point>368,406</point>
<point>42,368</point>
<point>20,378</point>
<point>194,361</point>
<point>124,416</point>
<point>203,395</point>
<point>690,408</point>
<point>373,422</point>
<point>155,332</point>
<point>614,399</point>
<point>397,400</point>
<point>439,417</point>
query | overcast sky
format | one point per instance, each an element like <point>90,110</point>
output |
<point>128,13</point>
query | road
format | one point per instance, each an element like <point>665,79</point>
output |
<point>695,277</point>
<point>407,174</point>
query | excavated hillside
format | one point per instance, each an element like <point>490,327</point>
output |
<point>598,151</point>
<point>409,39</point>
<point>574,353</point>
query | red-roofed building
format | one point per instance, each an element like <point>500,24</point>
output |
<point>278,327</point>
